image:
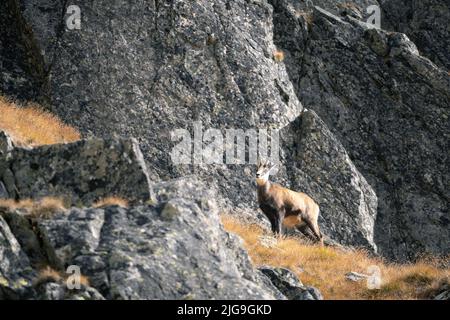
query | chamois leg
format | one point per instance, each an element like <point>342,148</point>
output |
<point>276,221</point>
<point>280,217</point>
<point>315,229</point>
<point>272,215</point>
<point>305,230</point>
<point>276,227</point>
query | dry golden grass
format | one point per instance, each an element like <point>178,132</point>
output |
<point>111,201</point>
<point>325,267</point>
<point>43,208</point>
<point>48,274</point>
<point>31,126</point>
<point>278,55</point>
<point>84,281</point>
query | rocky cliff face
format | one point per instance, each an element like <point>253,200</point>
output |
<point>389,107</point>
<point>185,62</point>
<point>373,152</point>
<point>425,23</point>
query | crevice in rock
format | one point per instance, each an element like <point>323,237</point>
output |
<point>32,240</point>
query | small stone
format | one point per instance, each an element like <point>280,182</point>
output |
<point>355,276</point>
<point>289,285</point>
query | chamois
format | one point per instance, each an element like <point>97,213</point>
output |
<point>284,206</point>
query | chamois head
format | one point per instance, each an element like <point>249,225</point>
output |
<point>263,170</point>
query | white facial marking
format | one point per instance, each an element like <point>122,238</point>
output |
<point>265,177</point>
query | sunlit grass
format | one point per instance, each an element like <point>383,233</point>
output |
<point>31,126</point>
<point>111,201</point>
<point>43,208</point>
<point>325,267</point>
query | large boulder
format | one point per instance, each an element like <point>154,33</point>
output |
<point>80,172</point>
<point>174,249</point>
<point>24,253</point>
<point>288,284</point>
<point>316,163</point>
<point>388,106</point>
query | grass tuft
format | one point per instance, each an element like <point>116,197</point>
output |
<point>31,126</point>
<point>111,201</point>
<point>278,55</point>
<point>44,208</point>
<point>48,274</point>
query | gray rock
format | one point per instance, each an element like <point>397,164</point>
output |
<point>271,287</point>
<point>20,66</point>
<point>50,291</point>
<point>3,192</point>
<point>7,178</point>
<point>317,164</point>
<point>423,21</point>
<point>16,273</point>
<point>59,291</point>
<point>426,24</point>
<point>172,250</point>
<point>388,106</point>
<point>81,172</point>
<point>289,285</point>
<point>33,243</point>
<point>6,144</point>
<point>85,293</point>
<point>355,276</point>
<point>443,293</point>
<point>6,147</point>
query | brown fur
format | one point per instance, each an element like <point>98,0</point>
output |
<point>284,206</point>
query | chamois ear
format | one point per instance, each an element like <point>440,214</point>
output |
<point>262,163</point>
